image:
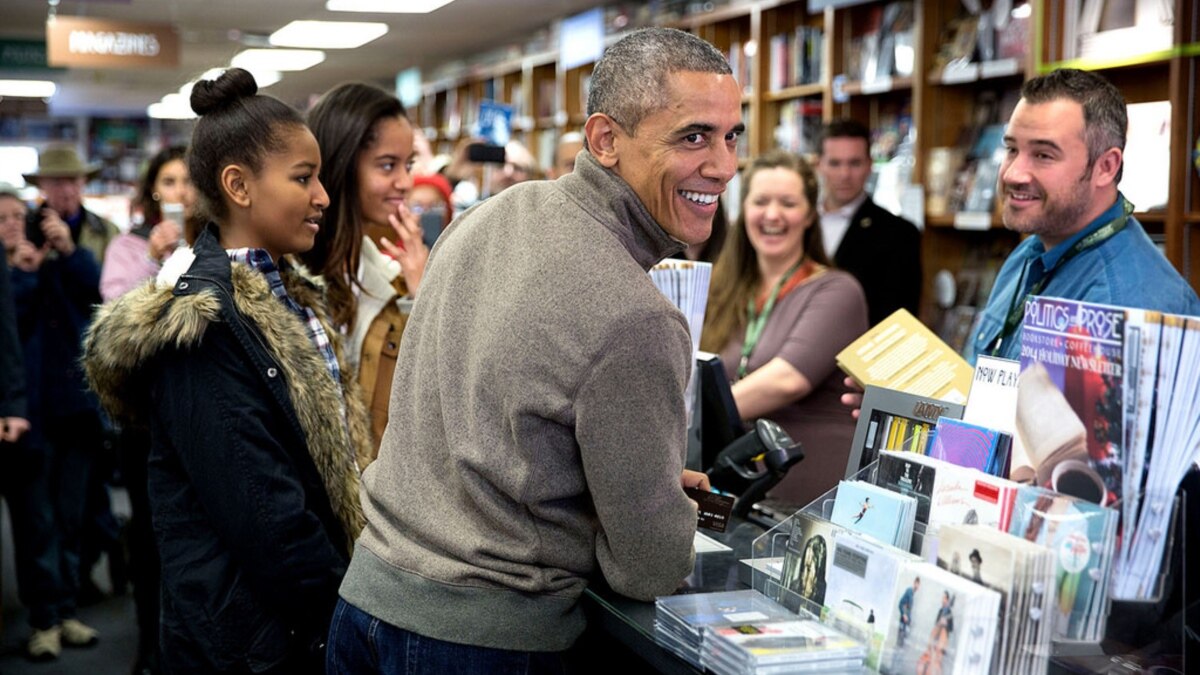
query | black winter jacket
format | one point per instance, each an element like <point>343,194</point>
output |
<point>252,481</point>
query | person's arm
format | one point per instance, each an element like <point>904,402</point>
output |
<point>127,262</point>
<point>220,420</point>
<point>832,318</point>
<point>776,384</point>
<point>631,429</point>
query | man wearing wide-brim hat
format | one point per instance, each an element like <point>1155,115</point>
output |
<point>60,176</point>
<point>56,286</point>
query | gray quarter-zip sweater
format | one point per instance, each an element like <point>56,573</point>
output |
<point>536,430</point>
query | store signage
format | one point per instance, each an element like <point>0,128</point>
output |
<point>25,54</point>
<point>96,43</point>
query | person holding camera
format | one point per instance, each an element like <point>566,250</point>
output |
<point>56,284</point>
<point>164,201</point>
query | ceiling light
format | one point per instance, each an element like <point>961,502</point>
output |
<point>27,88</point>
<point>257,60</point>
<point>386,6</point>
<point>327,34</point>
<point>264,78</point>
<point>171,107</point>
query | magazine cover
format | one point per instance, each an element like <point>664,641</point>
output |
<point>797,641</point>
<point>806,562</point>
<point>1072,357</point>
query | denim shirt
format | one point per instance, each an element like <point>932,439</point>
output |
<point>1126,270</point>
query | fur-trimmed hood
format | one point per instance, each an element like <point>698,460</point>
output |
<point>127,334</point>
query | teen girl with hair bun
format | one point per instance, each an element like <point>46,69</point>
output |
<point>252,471</point>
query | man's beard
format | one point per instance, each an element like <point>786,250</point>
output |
<point>1058,217</point>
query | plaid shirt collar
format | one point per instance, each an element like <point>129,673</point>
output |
<point>260,260</point>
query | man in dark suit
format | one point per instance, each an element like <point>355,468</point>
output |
<point>881,250</point>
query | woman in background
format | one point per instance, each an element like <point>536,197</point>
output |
<point>253,427</point>
<point>778,315</point>
<point>366,145</point>
<point>137,255</point>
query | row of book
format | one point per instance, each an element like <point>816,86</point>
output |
<point>796,58</point>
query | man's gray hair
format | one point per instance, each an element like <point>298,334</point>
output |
<point>631,80</point>
<point>1105,118</point>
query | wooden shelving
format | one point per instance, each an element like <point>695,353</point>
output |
<point>940,102</point>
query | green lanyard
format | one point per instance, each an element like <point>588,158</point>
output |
<point>755,322</point>
<point>1016,306</point>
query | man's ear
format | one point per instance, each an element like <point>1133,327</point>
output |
<point>601,133</point>
<point>1104,170</point>
<point>233,184</point>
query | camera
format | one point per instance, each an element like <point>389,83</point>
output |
<point>33,226</point>
<point>485,153</point>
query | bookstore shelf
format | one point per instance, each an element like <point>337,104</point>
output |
<point>975,72</point>
<point>789,93</point>
<point>1161,56</point>
<point>784,104</point>
<point>884,85</point>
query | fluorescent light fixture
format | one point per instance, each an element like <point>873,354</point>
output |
<point>327,34</point>
<point>257,60</point>
<point>386,6</point>
<point>264,78</point>
<point>27,88</point>
<point>171,107</point>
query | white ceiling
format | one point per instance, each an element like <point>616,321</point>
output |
<point>209,32</point>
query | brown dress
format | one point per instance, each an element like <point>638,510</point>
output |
<point>807,328</point>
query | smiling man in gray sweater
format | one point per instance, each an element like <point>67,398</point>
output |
<point>537,427</point>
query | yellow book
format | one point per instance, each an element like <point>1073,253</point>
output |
<point>900,353</point>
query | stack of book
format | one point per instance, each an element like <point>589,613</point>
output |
<point>876,512</point>
<point>781,647</point>
<point>680,620</point>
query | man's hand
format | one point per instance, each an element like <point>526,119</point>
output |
<point>27,257</point>
<point>12,428</point>
<point>412,254</point>
<point>695,479</point>
<point>852,398</point>
<point>58,235</point>
<point>164,237</point>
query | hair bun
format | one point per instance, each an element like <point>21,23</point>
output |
<point>232,85</point>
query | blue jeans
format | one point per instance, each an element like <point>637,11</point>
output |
<point>360,644</point>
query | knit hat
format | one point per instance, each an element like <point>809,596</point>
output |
<point>438,182</point>
<point>61,161</point>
